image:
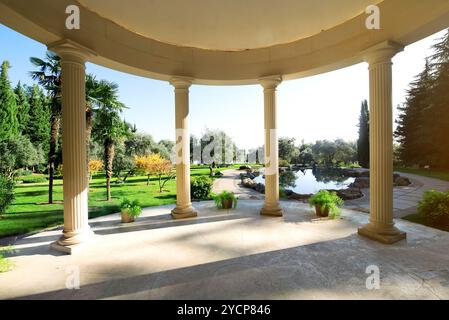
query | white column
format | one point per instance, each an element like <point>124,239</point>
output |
<point>184,207</point>
<point>381,226</point>
<point>271,206</point>
<point>75,184</point>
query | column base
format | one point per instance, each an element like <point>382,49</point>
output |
<point>383,235</point>
<point>71,243</point>
<point>272,211</point>
<point>184,212</point>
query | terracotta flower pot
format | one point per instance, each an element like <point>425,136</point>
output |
<point>226,203</point>
<point>320,212</point>
<point>126,217</point>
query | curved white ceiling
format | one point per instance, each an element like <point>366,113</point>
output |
<point>227,24</point>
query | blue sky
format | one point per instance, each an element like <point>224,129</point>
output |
<point>320,107</point>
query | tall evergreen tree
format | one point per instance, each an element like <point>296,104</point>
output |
<point>38,129</point>
<point>414,121</point>
<point>439,126</point>
<point>423,125</point>
<point>363,141</point>
<point>23,107</point>
<point>9,125</point>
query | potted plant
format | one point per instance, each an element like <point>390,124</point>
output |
<point>225,200</point>
<point>130,210</point>
<point>326,203</point>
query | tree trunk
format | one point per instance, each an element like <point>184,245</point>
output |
<point>109,152</point>
<point>55,123</point>
<point>89,114</point>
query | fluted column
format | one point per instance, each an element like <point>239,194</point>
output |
<point>75,184</point>
<point>184,207</point>
<point>271,206</point>
<point>381,226</point>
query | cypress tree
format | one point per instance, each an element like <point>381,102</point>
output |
<point>363,141</point>
<point>38,129</point>
<point>23,107</point>
<point>9,126</point>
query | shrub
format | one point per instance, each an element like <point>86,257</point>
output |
<point>327,200</point>
<point>283,163</point>
<point>218,174</point>
<point>201,188</point>
<point>133,208</point>
<point>434,207</point>
<point>6,193</point>
<point>94,167</point>
<point>34,178</point>
<point>23,173</point>
<point>5,264</point>
<point>225,195</point>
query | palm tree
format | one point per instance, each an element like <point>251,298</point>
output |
<point>108,127</point>
<point>48,75</point>
<point>99,94</point>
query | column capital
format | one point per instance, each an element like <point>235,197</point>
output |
<point>181,82</point>
<point>71,51</point>
<point>382,52</point>
<point>270,82</point>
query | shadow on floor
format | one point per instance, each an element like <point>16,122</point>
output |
<point>315,267</point>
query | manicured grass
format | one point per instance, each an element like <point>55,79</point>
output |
<point>437,174</point>
<point>29,211</point>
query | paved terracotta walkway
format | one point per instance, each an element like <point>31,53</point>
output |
<point>231,182</point>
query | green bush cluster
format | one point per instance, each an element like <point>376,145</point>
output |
<point>34,178</point>
<point>434,207</point>
<point>6,193</point>
<point>201,188</point>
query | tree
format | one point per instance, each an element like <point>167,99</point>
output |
<point>217,146</point>
<point>324,151</point>
<point>9,125</point>
<point>437,123</point>
<point>413,131</point>
<point>423,125</point>
<point>108,128</point>
<point>95,166</point>
<point>99,94</point>
<point>287,149</point>
<point>363,141</point>
<point>155,165</point>
<point>17,153</point>
<point>48,75</point>
<point>23,107</point>
<point>38,129</point>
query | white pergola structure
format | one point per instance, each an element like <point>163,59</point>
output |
<point>226,42</point>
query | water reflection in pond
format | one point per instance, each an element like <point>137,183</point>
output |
<point>310,181</point>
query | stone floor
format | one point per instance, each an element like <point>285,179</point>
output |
<point>232,255</point>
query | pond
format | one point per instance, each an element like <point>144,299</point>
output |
<point>310,181</point>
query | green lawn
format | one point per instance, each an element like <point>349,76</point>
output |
<point>29,211</point>
<point>437,174</point>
